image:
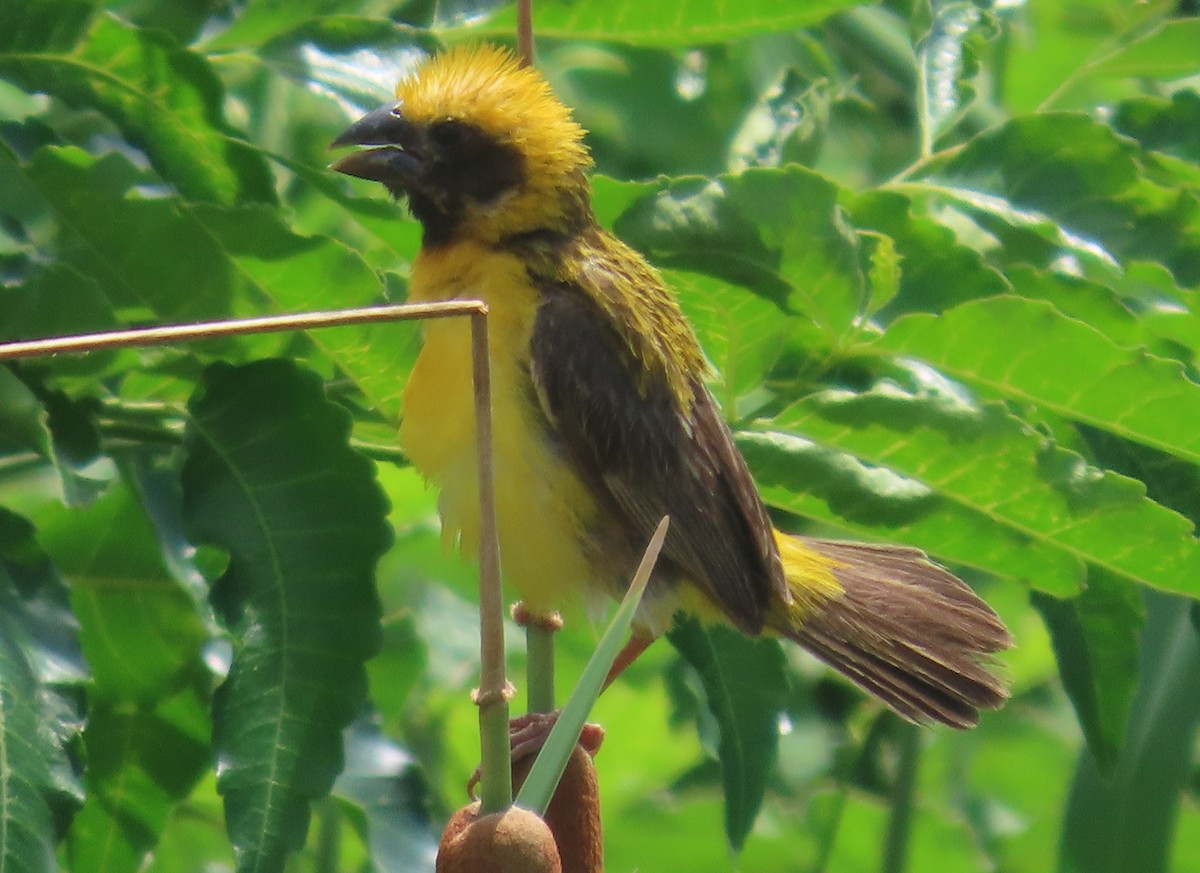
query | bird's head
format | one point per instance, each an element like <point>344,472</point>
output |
<point>480,147</point>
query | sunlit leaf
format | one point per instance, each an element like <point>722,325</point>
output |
<point>356,61</point>
<point>741,333</point>
<point>1060,363</point>
<point>936,270</point>
<point>942,59</point>
<point>777,232</point>
<point>165,99</point>
<point>663,22</point>
<point>240,259</point>
<point>1168,52</point>
<point>1082,176</point>
<point>263,20</point>
<point>980,460</point>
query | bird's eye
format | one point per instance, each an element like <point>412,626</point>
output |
<point>447,134</point>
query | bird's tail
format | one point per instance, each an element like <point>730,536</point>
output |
<point>896,624</point>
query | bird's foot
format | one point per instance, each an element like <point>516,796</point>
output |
<point>528,733</point>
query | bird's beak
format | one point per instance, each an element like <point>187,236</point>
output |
<point>396,163</point>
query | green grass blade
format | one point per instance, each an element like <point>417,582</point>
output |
<point>543,777</point>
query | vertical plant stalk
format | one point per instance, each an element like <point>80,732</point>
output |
<point>539,650</point>
<point>525,31</point>
<point>539,669</point>
<point>895,843</point>
<point>924,118</point>
<point>494,690</point>
<point>539,635</point>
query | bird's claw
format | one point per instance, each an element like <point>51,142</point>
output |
<point>528,733</point>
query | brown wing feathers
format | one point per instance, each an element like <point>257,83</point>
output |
<point>650,460</point>
<point>909,632</point>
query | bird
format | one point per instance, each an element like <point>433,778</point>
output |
<point>602,420</point>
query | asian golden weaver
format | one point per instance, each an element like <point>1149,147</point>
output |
<point>602,421</point>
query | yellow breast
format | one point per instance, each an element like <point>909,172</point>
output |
<point>543,510</point>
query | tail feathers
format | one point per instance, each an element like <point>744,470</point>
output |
<point>901,627</point>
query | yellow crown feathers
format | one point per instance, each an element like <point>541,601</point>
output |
<point>486,86</point>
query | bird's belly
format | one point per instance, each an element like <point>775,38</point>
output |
<point>545,514</point>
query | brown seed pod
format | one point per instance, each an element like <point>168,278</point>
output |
<point>574,812</point>
<point>512,841</point>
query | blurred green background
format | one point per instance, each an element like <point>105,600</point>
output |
<point>944,257</point>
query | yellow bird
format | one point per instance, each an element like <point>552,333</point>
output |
<point>603,423</point>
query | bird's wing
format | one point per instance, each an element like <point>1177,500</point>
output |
<point>628,438</point>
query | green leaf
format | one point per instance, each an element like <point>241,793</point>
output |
<point>22,426</point>
<point>136,248</point>
<point>1142,308</point>
<point>1093,303</point>
<point>982,461</point>
<point>1019,229</point>
<point>165,99</point>
<point>148,726</point>
<point>777,232</point>
<point>297,273</point>
<point>40,670</point>
<point>745,687</point>
<point>356,60</point>
<point>1095,638</point>
<point>1126,821</point>
<point>668,23</point>
<point>1081,175</point>
<point>270,479</point>
<point>1169,480</point>
<point>43,25</point>
<point>652,111</point>
<point>263,20</point>
<point>143,762</point>
<point>936,270</point>
<point>883,277</point>
<point>236,259</point>
<point>57,300</point>
<point>75,447</point>
<point>387,782</point>
<point>942,62</point>
<point>139,628</point>
<point>1169,52</point>
<point>1052,68</point>
<point>742,334</point>
<point>611,197</point>
<point>195,832</point>
<point>1171,126</point>
<point>785,124</point>
<point>1059,363</point>
<point>780,462</point>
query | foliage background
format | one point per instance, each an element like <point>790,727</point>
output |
<point>950,294</point>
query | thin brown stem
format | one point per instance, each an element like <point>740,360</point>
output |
<point>494,690</point>
<point>525,31</point>
<point>203,330</point>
